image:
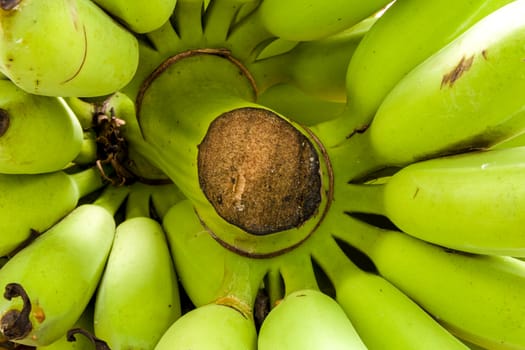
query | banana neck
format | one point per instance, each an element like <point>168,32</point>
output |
<point>87,181</point>
<point>177,103</point>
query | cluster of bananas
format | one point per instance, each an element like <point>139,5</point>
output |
<point>220,174</point>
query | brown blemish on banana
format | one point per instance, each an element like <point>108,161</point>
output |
<point>259,172</point>
<point>451,77</point>
<point>484,54</point>
<point>8,5</point>
<point>4,121</point>
<point>83,60</point>
<point>415,193</point>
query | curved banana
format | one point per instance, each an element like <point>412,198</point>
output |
<point>382,59</point>
<point>76,49</point>
<point>314,19</point>
<point>25,202</point>
<point>211,327</point>
<point>476,201</point>
<point>138,297</point>
<point>477,297</point>
<point>49,283</point>
<point>383,316</point>
<point>465,96</point>
<point>308,319</point>
<point>24,146</point>
<point>316,67</point>
<point>139,16</point>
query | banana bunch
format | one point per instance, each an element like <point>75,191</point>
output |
<point>262,174</point>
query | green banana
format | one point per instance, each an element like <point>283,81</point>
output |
<point>475,199</point>
<point>24,146</point>
<point>465,96</point>
<point>215,73</point>
<point>65,48</point>
<point>219,17</point>
<point>383,316</point>
<point>49,283</point>
<point>383,58</point>
<point>138,297</point>
<point>33,203</point>
<point>308,319</point>
<point>196,253</point>
<point>477,297</point>
<point>211,327</point>
<point>314,19</point>
<point>317,67</point>
<point>139,16</point>
<point>85,322</point>
<point>299,106</point>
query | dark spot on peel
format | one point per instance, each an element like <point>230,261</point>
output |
<point>4,121</point>
<point>451,77</point>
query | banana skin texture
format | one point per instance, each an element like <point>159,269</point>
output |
<point>25,202</point>
<point>24,147</point>
<point>465,96</point>
<point>59,272</point>
<point>314,19</point>
<point>211,327</point>
<point>308,320</point>
<point>138,298</point>
<point>476,200</point>
<point>81,50</point>
<point>400,40</point>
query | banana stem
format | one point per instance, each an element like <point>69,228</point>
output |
<point>358,234</point>
<point>363,198</point>
<point>138,202</point>
<point>333,261</point>
<point>83,110</point>
<point>270,71</point>
<point>87,181</point>
<point>112,198</point>
<point>275,286</point>
<point>249,36</point>
<point>298,274</point>
<point>188,21</point>
<point>219,16</point>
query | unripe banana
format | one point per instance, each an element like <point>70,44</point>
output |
<point>65,48</point>
<point>196,253</point>
<point>49,283</point>
<point>38,134</point>
<point>299,106</point>
<point>138,297</point>
<point>383,316</point>
<point>463,97</point>
<point>316,67</point>
<point>308,319</point>
<point>314,19</point>
<point>476,200</point>
<point>382,59</point>
<point>140,16</point>
<point>211,327</point>
<point>33,203</point>
<point>477,297</point>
